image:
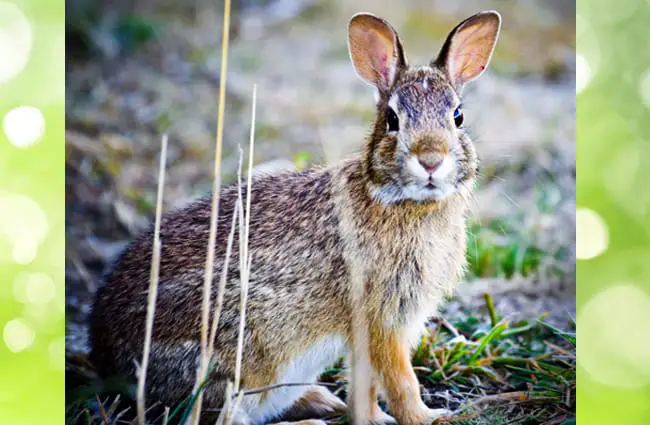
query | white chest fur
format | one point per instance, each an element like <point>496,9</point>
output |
<point>303,368</point>
<point>430,267</point>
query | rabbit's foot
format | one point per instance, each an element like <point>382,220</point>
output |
<point>422,416</point>
<point>316,402</point>
<point>304,422</point>
<point>433,414</point>
<point>380,417</point>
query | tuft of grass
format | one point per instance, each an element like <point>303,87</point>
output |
<point>525,369</point>
<point>504,248</point>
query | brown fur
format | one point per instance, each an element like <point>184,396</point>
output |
<point>316,403</point>
<point>328,258</point>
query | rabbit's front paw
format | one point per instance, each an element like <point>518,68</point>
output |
<point>433,414</point>
<point>383,418</point>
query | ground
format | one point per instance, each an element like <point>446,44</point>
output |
<point>155,70</point>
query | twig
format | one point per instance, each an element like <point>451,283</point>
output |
<point>515,396</point>
<point>456,418</point>
<point>276,386</point>
<point>214,214</point>
<point>153,286</point>
<point>557,421</point>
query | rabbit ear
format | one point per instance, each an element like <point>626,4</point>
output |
<point>468,48</point>
<point>375,50</point>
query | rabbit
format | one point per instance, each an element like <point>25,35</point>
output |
<point>348,260</point>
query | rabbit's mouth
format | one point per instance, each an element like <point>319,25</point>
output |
<point>430,185</point>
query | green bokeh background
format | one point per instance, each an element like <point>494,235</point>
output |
<point>32,380</point>
<point>613,151</point>
<point>613,126</point>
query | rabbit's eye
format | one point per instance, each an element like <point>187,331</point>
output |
<point>458,117</point>
<point>392,123</point>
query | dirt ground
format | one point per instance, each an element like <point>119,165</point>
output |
<point>312,108</point>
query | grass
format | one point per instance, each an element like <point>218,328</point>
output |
<point>488,370</point>
<point>502,248</point>
<point>509,246</point>
<point>526,369</point>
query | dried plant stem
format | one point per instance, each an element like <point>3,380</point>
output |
<point>243,243</point>
<point>287,384</point>
<point>249,181</point>
<point>225,412</point>
<point>166,416</point>
<point>224,270</point>
<point>214,216</point>
<point>153,286</point>
<point>233,409</point>
<point>222,282</point>
<point>102,411</point>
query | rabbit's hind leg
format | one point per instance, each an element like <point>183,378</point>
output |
<point>305,422</point>
<point>317,402</point>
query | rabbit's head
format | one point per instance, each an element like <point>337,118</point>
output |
<point>418,149</point>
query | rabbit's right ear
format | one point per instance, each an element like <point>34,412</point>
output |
<point>375,50</point>
<point>469,47</point>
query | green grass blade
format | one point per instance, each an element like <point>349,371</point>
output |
<point>493,335</point>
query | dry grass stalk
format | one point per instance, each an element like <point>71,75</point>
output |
<point>243,243</point>
<point>225,412</point>
<point>153,286</point>
<point>209,264</point>
<point>166,416</point>
<point>102,411</point>
<point>233,409</point>
<point>224,274</point>
<point>222,282</point>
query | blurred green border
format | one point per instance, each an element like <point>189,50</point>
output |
<point>32,380</point>
<point>613,151</point>
<point>612,129</point>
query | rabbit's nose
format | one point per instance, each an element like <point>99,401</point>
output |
<point>430,164</point>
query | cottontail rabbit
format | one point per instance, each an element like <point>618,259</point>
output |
<point>348,260</point>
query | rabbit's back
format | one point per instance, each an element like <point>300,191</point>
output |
<point>297,275</point>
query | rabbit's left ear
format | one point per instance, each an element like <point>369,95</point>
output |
<point>468,48</point>
<point>375,50</point>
